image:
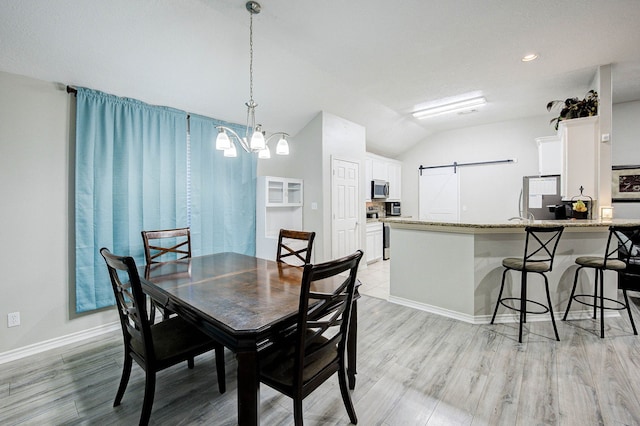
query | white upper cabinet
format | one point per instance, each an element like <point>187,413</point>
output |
<point>386,169</point>
<point>368,176</point>
<point>549,155</point>
<point>580,160</point>
<point>379,169</point>
<point>395,180</point>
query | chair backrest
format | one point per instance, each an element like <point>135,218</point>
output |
<point>131,303</point>
<point>541,243</point>
<point>323,318</point>
<point>291,248</point>
<point>622,244</point>
<point>177,245</point>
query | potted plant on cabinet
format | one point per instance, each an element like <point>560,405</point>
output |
<point>574,107</point>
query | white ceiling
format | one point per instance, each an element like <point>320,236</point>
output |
<point>370,61</point>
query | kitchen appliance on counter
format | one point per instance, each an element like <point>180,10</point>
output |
<point>379,189</point>
<point>541,198</point>
<point>392,208</point>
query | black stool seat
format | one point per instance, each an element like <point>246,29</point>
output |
<point>617,254</point>
<point>539,251</point>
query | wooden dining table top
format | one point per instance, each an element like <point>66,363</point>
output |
<point>241,294</point>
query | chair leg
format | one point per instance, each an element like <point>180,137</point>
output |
<point>147,403</point>
<point>190,363</point>
<point>595,295</point>
<point>573,291</point>
<point>346,396</point>
<point>222,385</point>
<point>523,303</point>
<point>495,311</point>
<point>553,320</point>
<point>126,372</point>
<point>297,411</point>
<point>601,274</point>
<point>626,301</point>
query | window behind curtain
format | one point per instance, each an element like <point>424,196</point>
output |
<point>223,193</point>
<point>130,175</point>
<point>139,168</point>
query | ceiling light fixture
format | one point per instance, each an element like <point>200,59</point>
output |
<point>460,106</point>
<point>530,57</point>
<point>253,132</point>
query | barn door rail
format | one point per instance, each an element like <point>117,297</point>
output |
<point>455,164</point>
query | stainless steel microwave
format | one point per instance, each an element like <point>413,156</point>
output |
<point>379,189</point>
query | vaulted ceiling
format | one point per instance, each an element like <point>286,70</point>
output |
<point>370,62</point>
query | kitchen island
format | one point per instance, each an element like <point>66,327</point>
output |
<point>454,269</point>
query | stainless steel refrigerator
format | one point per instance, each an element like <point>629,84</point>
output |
<point>541,197</point>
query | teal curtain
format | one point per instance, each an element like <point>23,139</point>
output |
<point>223,193</point>
<point>131,174</point>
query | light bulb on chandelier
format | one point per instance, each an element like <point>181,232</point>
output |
<point>255,139</point>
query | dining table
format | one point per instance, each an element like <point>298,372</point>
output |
<point>243,302</point>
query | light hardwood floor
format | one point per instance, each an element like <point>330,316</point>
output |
<point>414,368</point>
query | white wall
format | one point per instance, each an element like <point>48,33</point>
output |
<point>324,136</point>
<point>489,192</point>
<point>303,148</point>
<point>625,147</point>
<point>37,214</point>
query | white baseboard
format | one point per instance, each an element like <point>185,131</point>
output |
<point>508,317</point>
<point>57,342</point>
<point>433,309</point>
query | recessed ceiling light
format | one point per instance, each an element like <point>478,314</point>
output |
<point>530,57</point>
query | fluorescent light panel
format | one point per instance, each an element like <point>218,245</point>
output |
<point>452,107</point>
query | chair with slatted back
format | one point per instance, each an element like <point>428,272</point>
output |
<point>539,251</point>
<point>620,247</point>
<point>177,245</point>
<point>152,346</point>
<point>302,361</point>
<point>294,247</point>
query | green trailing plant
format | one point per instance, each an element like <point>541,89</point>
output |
<point>574,108</point>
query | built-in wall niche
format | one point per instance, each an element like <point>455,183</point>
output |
<point>277,218</point>
<point>279,203</point>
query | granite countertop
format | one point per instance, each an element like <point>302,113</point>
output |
<point>516,224</point>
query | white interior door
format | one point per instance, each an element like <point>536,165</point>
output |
<point>439,195</point>
<point>345,179</point>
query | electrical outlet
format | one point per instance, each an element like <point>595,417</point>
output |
<point>13,319</point>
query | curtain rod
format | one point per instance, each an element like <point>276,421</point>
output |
<point>72,90</point>
<point>455,164</point>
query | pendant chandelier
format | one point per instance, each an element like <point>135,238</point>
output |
<point>254,139</point>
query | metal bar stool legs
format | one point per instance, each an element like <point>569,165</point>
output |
<point>598,295</point>
<point>523,304</point>
<point>539,251</point>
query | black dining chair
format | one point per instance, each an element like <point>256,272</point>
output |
<point>177,245</point>
<point>294,247</point>
<point>152,346</point>
<point>620,247</point>
<point>162,246</point>
<point>539,251</point>
<point>299,362</point>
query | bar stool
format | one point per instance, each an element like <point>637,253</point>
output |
<point>539,250</point>
<point>616,258</point>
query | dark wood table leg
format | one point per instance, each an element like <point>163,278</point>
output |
<point>351,346</point>
<point>248,387</point>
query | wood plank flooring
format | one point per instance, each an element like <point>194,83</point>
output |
<point>414,368</point>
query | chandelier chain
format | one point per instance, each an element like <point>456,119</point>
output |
<point>251,58</point>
